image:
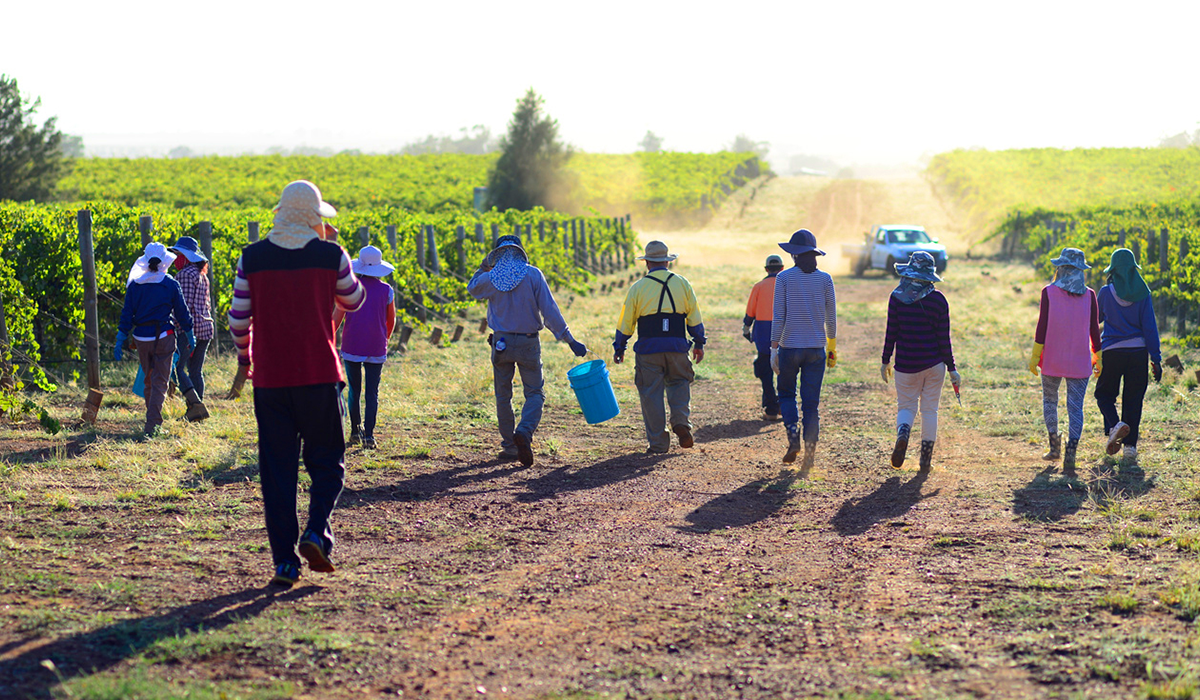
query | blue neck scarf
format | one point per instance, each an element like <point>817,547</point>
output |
<point>911,290</point>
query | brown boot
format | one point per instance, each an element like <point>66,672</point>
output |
<point>901,447</point>
<point>1055,452</point>
<point>1069,457</point>
<point>196,411</point>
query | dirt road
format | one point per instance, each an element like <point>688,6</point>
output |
<point>710,572</point>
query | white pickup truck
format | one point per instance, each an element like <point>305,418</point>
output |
<point>887,245</point>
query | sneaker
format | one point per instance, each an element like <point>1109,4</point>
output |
<point>524,449</point>
<point>368,443</point>
<point>286,575</point>
<point>1130,454</point>
<point>1115,436</point>
<point>316,551</point>
<point>685,435</point>
<point>508,454</point>
<point>793,449</point>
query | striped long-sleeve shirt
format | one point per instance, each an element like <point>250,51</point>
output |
<point>194,285</point>
<point>282,311</point>
<point>805,309</point>
<point>919,332</point>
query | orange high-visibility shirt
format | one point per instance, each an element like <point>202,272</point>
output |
<point>762,300</point>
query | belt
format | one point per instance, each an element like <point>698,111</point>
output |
<point>523,335</point>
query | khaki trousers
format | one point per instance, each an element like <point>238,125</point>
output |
<point>156,357</point>
<point>655,374</point>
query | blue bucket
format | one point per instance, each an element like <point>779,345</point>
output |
<point>594,391</point>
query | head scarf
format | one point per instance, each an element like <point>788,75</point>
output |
<point>911,290</point>
<point>1123,275</point>
<point>1070,279</point>
<point>293,228</point>
<point>140,273</point>
<point>509,269</point>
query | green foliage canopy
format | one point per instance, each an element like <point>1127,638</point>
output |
<point>529,172</point>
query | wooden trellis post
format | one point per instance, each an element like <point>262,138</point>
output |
<point>252,231</point>
<point>391,236</point>
<point>435,261</point>
<point>204,230</point>
<point>364,235</point>
<point>420,241</point>
<point>145,225</point>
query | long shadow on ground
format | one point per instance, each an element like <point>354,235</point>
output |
<point>1120,481</point>
<point>96,651</point>
<point>426,486</point>
<point>1048,499</point>
<point>732,430</point>
<point>892,499</point>
<point>747,505</point>
<point>610,471</point>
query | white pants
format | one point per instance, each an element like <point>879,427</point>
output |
<point>925,388</point>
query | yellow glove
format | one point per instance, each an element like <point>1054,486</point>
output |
<point>1035,357</point>
<point>831,354</point>
<point>1097,363</point>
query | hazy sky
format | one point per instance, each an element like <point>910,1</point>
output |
<point>853,81</point>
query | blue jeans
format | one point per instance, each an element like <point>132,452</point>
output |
<point>809,365</point>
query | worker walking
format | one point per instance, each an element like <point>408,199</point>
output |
<point>756,327</point>
<point>520,304</point>
<point>662,308</point>
<point>804,319</point>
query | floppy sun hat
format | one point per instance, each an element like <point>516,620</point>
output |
<point>189,248</point>
<point>1073,257</point>
<point>656,251</point>
<point>370,262</point>
<point>141,273</point>
<point>304,196</point>
<point>920,266</point>
<point>802,241</point>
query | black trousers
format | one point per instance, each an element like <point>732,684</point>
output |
<point>286,416</point>
<point>354,374</point>
<point>1132,366</point>
<point>763,371</point>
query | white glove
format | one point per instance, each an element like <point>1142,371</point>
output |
<point>955,377</point>
<point>775,360</point>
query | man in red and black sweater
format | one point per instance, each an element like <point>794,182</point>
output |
<point>281,318</point>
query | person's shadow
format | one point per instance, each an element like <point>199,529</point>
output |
<point>29,675</point>
<point>423,487</point>
<point>610,471</point>
<point>1124,481</point>
<point>1047,499</point>
<point>892,499</point>
<point>733,430</point>
<point>747,505</point>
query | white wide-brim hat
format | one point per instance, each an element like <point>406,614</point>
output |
<point>370,263</point>
<point>304,196</point>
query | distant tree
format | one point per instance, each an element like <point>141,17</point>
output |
<point>31,159</point>
<point>181,152</point>
<point>529,172</point>
<point>651,142</point>
<point>1181,140</point>
<point>71,146</point>
<point>745,144</point>
<point>476,140</point>
<point>350,152</point>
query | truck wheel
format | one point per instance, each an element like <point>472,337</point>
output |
<point>859,266</point>
<point>891,267</point>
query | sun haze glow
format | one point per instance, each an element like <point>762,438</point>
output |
<point>858,82</point>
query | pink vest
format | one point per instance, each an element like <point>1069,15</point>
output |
<point>1068,351</point>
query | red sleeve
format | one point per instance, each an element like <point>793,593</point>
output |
<point>1039,336</point>
<point>1095,324</point>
